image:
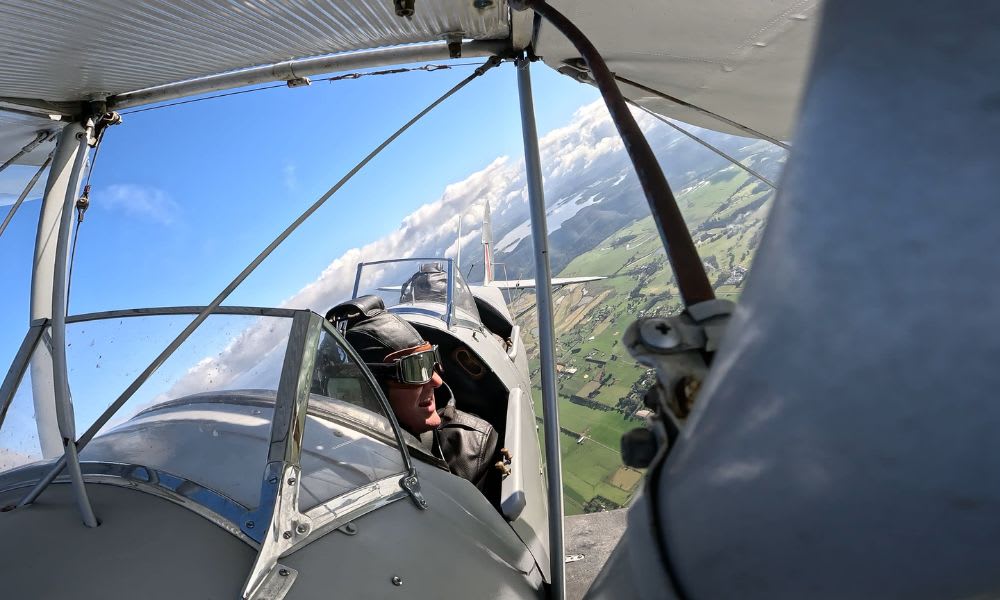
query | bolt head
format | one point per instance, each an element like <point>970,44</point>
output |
<point>283,572</point>
<point>291,481</point>
<point>301,528</point>
<point>287,535</point>
<point>249,524</point>
<point>396,580</point>
<point>658,334</point>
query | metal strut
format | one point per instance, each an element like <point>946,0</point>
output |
<point>692,280</point>
<point>183,335</point>
<point>546,330</point>
<point>65,418</point>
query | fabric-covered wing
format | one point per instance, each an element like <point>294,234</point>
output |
<point>743,60</point>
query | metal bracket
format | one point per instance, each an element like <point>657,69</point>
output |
<point>411,484</point>
<point>277,582</point>
<point>680,349</point>
<point>454,40</point>
<point>276,527</point>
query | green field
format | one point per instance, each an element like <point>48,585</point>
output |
<point>725,213</point>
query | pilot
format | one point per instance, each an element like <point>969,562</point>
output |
<point>429,284</point>
<point>408,369</point>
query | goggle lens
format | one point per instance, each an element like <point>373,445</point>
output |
<point>412,369</point>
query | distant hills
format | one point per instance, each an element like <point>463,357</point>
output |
<point>606,196</point>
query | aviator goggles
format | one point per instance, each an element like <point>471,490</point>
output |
<point>413,369</point>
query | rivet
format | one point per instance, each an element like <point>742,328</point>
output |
<point>396,580</point>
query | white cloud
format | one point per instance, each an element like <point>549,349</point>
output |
<point>430,230</point>
<point>139,201</point>
<point>290,176</point>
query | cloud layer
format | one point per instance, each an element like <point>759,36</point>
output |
<point>432,229</point>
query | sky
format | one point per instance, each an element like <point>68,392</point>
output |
<point>184,197</point>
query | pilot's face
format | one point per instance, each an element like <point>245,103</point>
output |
<point>414,404</point>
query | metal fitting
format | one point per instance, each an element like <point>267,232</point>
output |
<point>404,8</point>
<point>658,334</point>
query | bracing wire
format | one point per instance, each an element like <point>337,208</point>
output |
<point>24,193</point>
<point>692,136</point>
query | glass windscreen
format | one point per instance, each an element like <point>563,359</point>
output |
<point>348,441</point>
<point>204,415</point>
<point>420,285</point>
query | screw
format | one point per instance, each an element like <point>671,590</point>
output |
<point>287,535</point>
<point>291,481</point>
<point>283,572</point>
<point>658,334</point>
<point>302,528</point>
<point>396,580</point>
<point>249,524</point>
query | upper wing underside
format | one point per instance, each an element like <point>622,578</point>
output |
<point>743,60</point>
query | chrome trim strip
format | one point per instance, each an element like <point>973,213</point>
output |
<point>338,511</point>
<point>206,502</point>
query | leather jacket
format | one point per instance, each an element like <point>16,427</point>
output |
<point>467,443</point>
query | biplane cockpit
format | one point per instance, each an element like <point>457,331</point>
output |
<point>265,423</point>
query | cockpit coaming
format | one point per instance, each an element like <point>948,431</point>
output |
<point>279,467</point>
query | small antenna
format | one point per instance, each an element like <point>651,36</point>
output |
<point>458,254</point>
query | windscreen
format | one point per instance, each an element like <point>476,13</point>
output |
<point>420,285</point>
<point>349,441</point>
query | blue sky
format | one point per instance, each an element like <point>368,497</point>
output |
<point>184,197</point>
